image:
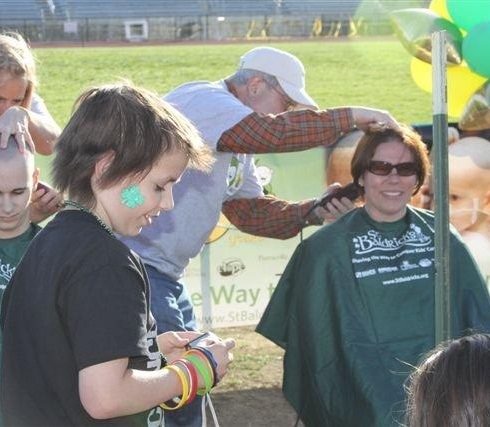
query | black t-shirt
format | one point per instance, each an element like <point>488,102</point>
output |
<point>78,298</point>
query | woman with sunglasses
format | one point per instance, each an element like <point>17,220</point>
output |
<point>354,308</point>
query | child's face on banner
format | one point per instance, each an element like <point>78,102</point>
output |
<point>468,192</point>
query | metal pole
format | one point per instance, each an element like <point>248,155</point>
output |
<point>207,310</point>
<point>441,189</point>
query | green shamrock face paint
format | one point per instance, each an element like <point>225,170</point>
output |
<point>132,197</point>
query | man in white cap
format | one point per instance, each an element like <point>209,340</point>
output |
<point>243,114</point>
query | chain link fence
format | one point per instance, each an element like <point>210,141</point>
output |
<point>201,28</point>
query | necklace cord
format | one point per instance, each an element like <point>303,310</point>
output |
<point>97,218</point>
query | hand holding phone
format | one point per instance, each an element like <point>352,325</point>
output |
<point>42,186</point>
<point>193,343</point>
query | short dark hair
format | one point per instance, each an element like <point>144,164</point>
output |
<point>369,142</point>
<point>132,123</point>
<point>451,387</point>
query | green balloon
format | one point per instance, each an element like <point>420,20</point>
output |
<point>476,46</point>
<point>414,28</point>
<point>468,13</point>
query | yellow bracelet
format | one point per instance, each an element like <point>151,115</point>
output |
<point>185,389</point>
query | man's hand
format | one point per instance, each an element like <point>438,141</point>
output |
<point>335,208</point>
<point>368,119</point>
<point>15,121</point>
<point>45,202</point>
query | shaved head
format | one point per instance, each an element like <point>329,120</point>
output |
<point>472,148</point>
<point>12,154</point>
<point>18,179</point>
<point>469,183</point>
<point>469,165</point>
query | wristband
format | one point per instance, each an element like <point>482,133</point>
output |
<point>204,372</point>
<point>185,390</point>
<point>192,374</point>
<point>202,351</point>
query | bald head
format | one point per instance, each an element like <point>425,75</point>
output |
<point>12,154</point>
<point>469,183</point>
<point>472,148</point>
<point>469,164</point>
<point>18,178</point>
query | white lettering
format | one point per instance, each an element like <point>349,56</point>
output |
<point>373,240</point>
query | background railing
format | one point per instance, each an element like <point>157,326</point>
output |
<point>213,20</point>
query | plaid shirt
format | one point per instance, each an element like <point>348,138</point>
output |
<point>292,131</point>
<point>268,216</point>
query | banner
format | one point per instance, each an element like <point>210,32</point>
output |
<point>244,269</point>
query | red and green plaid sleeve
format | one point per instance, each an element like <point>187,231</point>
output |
<point>286,132</point>
<point>268,216</point>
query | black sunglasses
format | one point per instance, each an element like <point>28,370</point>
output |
<point>378,167</point>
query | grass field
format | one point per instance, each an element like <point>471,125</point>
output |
<point>374,73</point>
<point>361,72</point>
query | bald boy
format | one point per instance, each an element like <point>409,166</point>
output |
<point>469,183</point>
<point>18,179</point>
<point>469,196</point>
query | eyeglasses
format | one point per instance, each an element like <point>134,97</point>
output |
<point>380,168</point>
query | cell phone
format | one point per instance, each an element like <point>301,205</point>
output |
<point>41,186</point>
<point>193,343</point>
<point>350,191</point>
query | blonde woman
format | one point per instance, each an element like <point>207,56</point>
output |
<point>22,112</point>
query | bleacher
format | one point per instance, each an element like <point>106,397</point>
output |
<point>19,9</point>
<point>123,9</point>
<point>177,19</point>
<point>332,7</point>
<point>78,9</point>
<point>127,9</point>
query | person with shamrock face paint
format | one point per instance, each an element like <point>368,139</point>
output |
<point>81,346</point>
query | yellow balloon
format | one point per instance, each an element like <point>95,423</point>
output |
<point>439,6</point>
<point>421,74</point>
<point>462,83</point>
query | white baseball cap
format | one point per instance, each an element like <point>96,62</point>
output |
<point>286,68</point>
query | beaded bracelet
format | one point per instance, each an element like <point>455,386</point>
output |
<point>185,390</point>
